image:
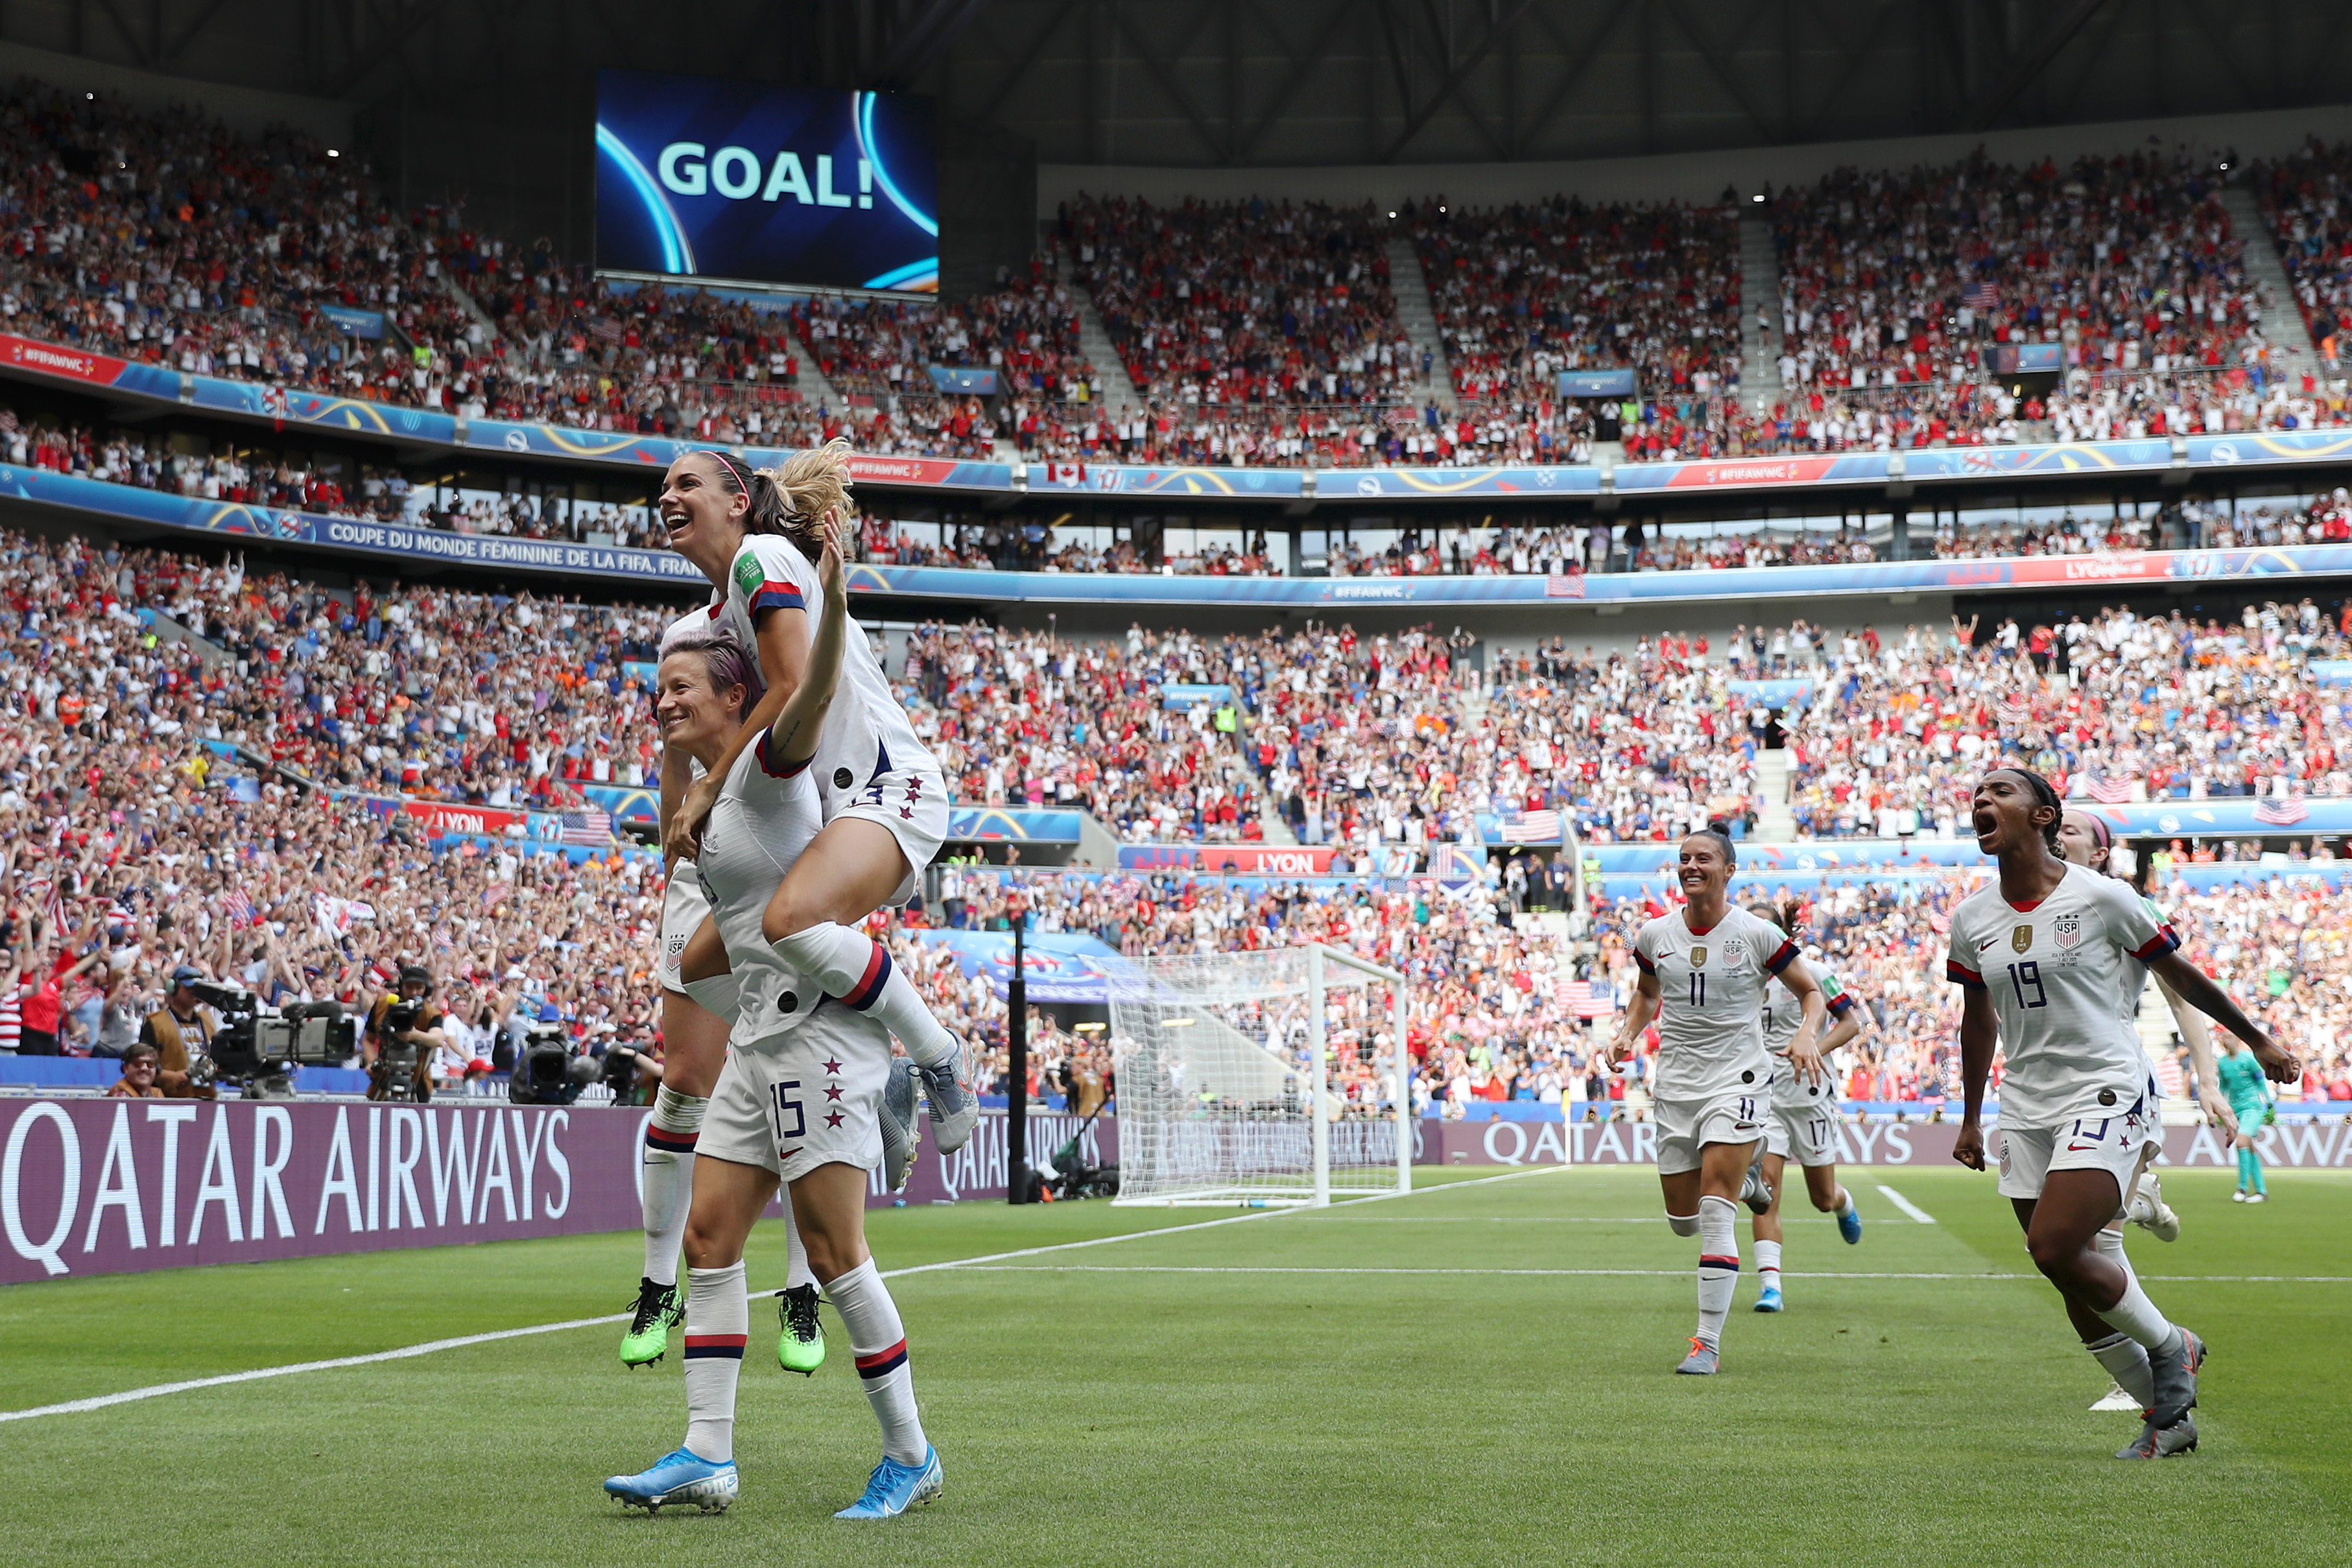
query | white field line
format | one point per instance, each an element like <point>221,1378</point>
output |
<point>1617,1273</point>
<point>1907,1205</point>
<point>257,1374</point>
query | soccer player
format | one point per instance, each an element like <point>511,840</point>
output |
<point>2242,1080</point>
<point>2043,956</point>
<point>753,534</point>
<point>745,529</point>
<point>800,1099</point>
<point>1704,971</point>
<point>1803,1123</point>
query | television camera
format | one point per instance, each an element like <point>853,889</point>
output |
<point>260,1046</point>
<point>548,1069</point>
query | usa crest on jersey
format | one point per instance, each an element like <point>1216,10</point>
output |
<point>2067,929</point>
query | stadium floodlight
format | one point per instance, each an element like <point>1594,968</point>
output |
<point>1260,1079</point>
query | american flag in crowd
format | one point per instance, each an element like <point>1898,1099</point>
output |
<point>239,906</point>
<point>2167,1077</point>
<point>1586,999</point>
<point>2111,789</point>
<point>1983,295</point>
<point>1531,827</point>
<point>2280,812</point>
<point>592,828</point>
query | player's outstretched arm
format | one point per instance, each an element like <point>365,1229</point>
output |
<point>1644,1008</point>
<point>791,740</point>
<point>1979,1032</point>
<point>2197,988</point>
<point>2199,1037</point>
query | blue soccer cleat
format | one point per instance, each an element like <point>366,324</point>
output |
<point>679,1477</point>
<point>1770,1301</point>
<point>1850,1224</point>
<point>894,1488</point>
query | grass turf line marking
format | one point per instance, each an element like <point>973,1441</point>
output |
<point>1907,1205</point>
<point>404,1353</point>
<point>1613,1273</point>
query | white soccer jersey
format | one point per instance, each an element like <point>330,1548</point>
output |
<point>866,730</point>
<point>762,822</point>
<point>1783,1012</point>
<point>2058,973</point>
<point>1711,1001</point>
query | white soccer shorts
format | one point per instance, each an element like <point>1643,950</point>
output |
<point>684,906</point>
<point>2109,1137</point>
<point>913,806</point>
<point>804,1096</point>
<point>1803,1123</point>
<point>1685,1126</point>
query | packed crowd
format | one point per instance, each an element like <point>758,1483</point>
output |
<point>2305,198</point>
<point>1510,1005</point>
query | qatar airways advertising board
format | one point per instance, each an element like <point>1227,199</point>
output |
<point>749,182</point>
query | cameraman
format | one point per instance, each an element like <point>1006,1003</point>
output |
<point>408,1020</point>
<point>180,1021</point>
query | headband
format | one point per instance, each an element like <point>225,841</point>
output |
<point>741,480</point>
<point>2106,839</point>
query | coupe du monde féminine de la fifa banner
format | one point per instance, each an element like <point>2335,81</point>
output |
<point>698,177</point>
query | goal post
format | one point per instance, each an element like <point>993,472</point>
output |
<point>1261,1079</point>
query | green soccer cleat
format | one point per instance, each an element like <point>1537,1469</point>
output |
<point>658,1307</point>
<point>801,1347</point>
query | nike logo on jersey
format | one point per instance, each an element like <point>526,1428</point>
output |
<point>1984,943</point>
<point>2079,1148</point>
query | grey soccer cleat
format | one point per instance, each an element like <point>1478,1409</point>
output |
<point>2148,1210</point>
<point>900,1136</point>
<point>1757,1194</point>
<point>2175,1381</point>
<point>947,1090</point>
<point>1704,1360</point>
<point>2161,1443</point>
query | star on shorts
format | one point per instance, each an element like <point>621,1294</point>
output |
<point>832,1119</point>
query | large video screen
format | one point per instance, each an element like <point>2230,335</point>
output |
<point>698,177</point>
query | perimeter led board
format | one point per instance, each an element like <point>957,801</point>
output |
<point>698,177</point>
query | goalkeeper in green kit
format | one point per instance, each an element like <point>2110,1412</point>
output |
<point>2249,1099</point>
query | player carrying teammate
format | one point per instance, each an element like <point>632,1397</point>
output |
<point>747,532</point>
<point>1704,971</point>
<point>1803,1123</point>
<point>2044,956</point>
<point>800,1098</point>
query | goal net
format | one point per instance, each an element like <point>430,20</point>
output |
<point>1260,1078</point>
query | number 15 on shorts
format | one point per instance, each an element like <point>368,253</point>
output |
<point>786,1105</point>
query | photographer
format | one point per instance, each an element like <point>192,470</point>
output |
<point>402,1032</point>
<point>182,1022</point>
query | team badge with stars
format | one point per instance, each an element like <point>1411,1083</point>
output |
<point>2067,929</point>
<point>1735,952</point>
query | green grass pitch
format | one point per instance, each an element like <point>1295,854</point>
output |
<point>1406,1381</point>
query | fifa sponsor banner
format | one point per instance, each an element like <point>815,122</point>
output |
<point>354,323</point>
<point>115,1187</point>
<point>1816,855</point>
<point>1060,966</point>
<point>2319,1142</point>
<point>628,803</point>
<point>2200,878</point>
<point>1265,859</point>
<point>1961,464</point>
<point>1180,697</point>
<point>442,816</point>
<point>977,1171</point>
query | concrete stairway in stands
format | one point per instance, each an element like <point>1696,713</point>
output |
<point>1774,823</point>
<point>2282,328</point>
<point>1759,304</point>
<point>815,391</point>
<point>1418,316</point>
<point>1093,341</point>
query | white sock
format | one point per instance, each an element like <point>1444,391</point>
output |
<point>878,1340</point>
<point>2136,1316</point>
<point>1683,1224</point>
<point>1768,1264</point>
<point>2126,1363</point>
<point>797,1272</point>
<point>669,1178</point>
<point>718,1321</point>
<point>1844,1204</point>
<point>1718,1265</point>
<point>857,970</point>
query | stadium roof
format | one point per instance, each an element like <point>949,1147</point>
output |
<point>1245,83</point>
